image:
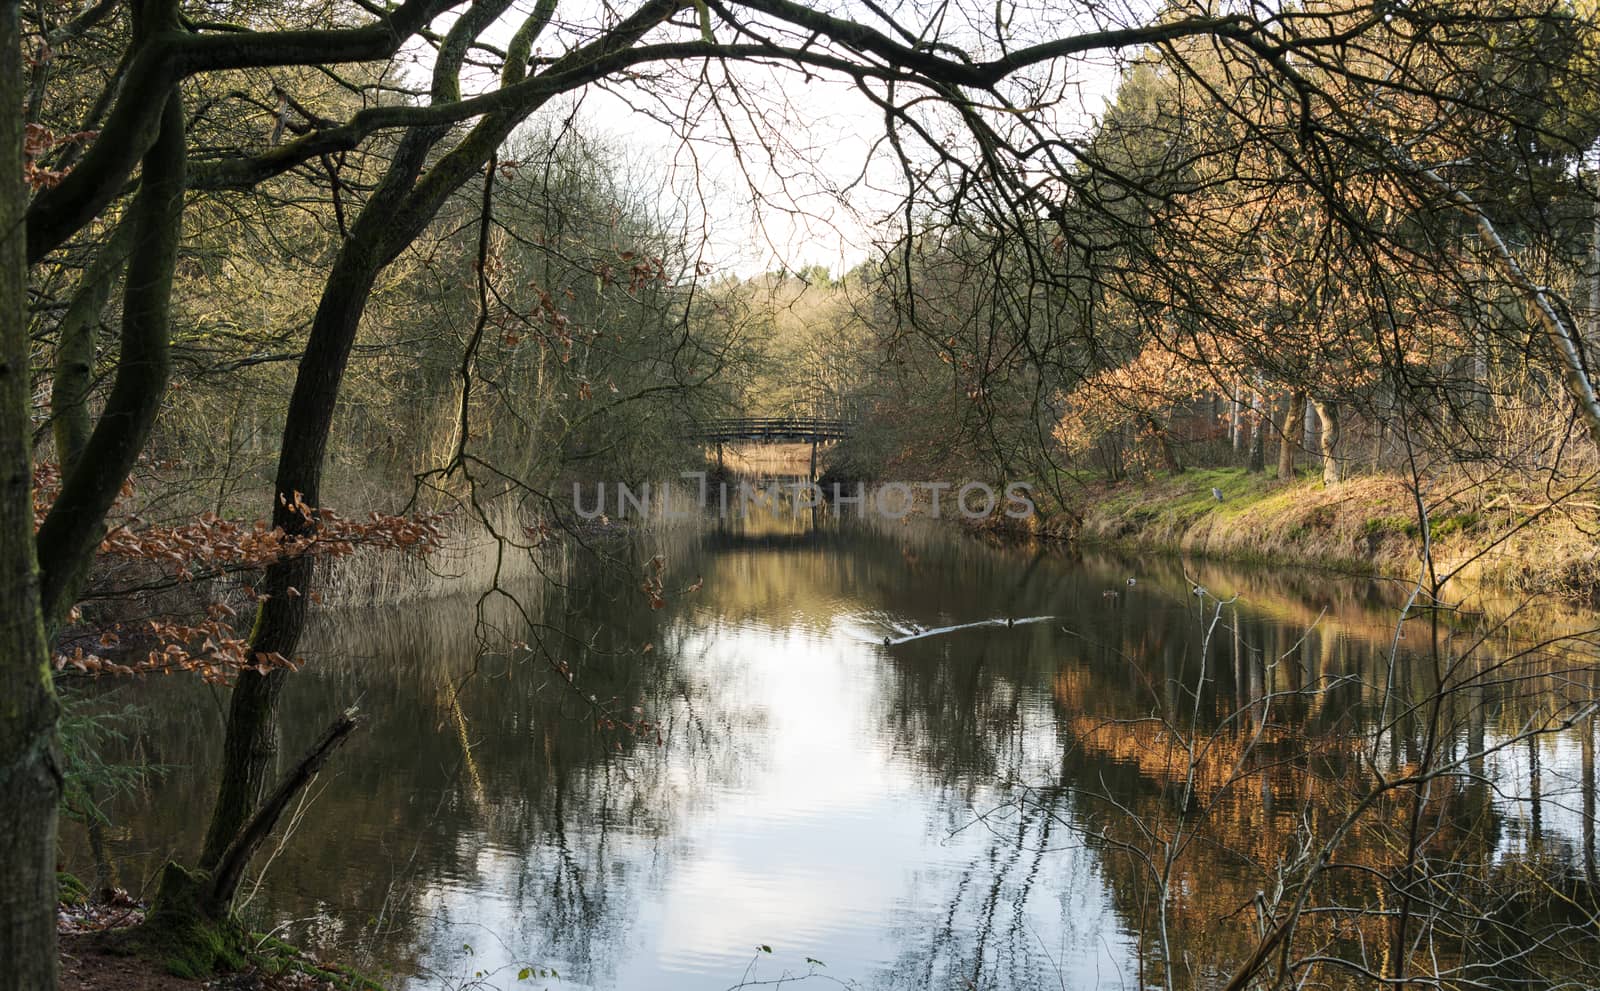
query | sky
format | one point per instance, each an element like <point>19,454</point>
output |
<point>825,187</point>
<point>758,212</point>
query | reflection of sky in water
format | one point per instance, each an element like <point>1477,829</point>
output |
<point>1558,816</point>
<point>833,846</point>
<point>820,792</point>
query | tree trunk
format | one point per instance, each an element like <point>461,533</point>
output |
<point>30,779</point>
<point>105,865</point>
<point>1328,414</point>
<point>1236,418</point>
<point>230,866</point>
<point>1293,426</point>
<point>1592,266</point>
<point>75,337</point>
<point>1258,436</point>
<point>405,201</point>
<point>72,530</point>
<point>1564,341</point>
<point>1169,456</point>
<point>250,743</point>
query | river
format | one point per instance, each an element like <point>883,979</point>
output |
<point>986,800</point>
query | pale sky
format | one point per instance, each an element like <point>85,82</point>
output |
<point>826,192</point>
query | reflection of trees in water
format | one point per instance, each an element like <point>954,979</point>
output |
<point>467,760</point>
<point>1208,793</point>
<point>1089,741</point>
<point>988,933</point>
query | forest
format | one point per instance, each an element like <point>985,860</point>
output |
<point>311,309</point>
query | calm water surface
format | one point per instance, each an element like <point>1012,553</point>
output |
<point>938,812</point>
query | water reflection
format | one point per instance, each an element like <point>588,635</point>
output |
<point>983,802</point>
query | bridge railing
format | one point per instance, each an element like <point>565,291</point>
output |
<point>770,427</point>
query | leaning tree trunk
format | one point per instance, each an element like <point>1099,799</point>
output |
<point>1328,414</point>
<point>1293,427</point>
<point>30,779</point>
<point>250,742</point>
<point>1565,343</point>
<point>406,200</point>
<point>251,745</point>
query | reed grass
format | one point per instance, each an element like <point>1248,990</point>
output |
<point>469,559</point>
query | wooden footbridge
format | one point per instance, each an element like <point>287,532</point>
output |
<point>775,430</point>
<point>793,429</point>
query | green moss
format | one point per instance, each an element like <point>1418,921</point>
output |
<point>182,938</point>
<point>274,956</point>
<point>1381,526</point>
<point>70,890</point>
<point>189,943</point>
<point>1444,526</point>
<point>1179,501</point>
<point>1365,525</point>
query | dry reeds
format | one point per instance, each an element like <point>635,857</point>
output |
<point>473,556</point>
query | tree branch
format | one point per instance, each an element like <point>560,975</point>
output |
<point>163,57</point>
<point>72,530</point>
<point>230,869</point>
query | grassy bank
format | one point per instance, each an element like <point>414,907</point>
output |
<point>1499,536</point>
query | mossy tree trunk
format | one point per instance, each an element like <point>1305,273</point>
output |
<point>40,573</point>
<point>30,779</point>
<point>190,928</point>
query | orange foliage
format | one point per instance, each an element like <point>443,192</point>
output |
<point>36,142</point>
<point>208,546</point>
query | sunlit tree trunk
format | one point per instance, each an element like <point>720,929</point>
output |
<point>1293,427</point>
<point>1482,401</point>
<point>1169,455</point>
<point>1236,418</point>
<point>1566,348</point>
<point>30,781</point>
<point>1592,263</point>
<point>1328,415</point>
<point>1260,415</point>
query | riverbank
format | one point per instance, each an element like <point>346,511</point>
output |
<point>90,961</point>
<point>93,957</point>
<point>1502,537</point>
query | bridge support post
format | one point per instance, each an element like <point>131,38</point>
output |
<point>719,457</point>
<point>813,460</point>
